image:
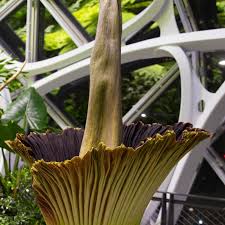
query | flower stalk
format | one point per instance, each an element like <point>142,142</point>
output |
<point>104,117</point>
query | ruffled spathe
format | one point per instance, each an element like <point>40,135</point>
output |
<point>106,186</point>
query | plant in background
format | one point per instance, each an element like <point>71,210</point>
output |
<point>7,73</point>
<point>138,82</point>
<point>17,201</point>
<point>107,174</point>
<point>17,205</point>
<point>28,110</point>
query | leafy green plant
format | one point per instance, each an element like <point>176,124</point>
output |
<point>7,132</point>
<point>138,82</point>
<point>17,204</point>
<point>17,200</point>
<point>221,12</point>
<point>57,41</point>
<point>27,108</point>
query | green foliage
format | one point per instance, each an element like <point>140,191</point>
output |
<point>135,6</point>
<point>81,3</point>
<point>5,73</point>
<point>214,76</point>
<point>8,132</point>
<point>70,46</point>
<point>76,105</point>
<point>135,85</point>
<point>88,17</point>
<point>221,12</point>
<point>29,108</point>
<point>6,180</point>
<point>166,109</point>
<point>18,19</point>
<point>126,16</point>
<point>56,40</point>
<point>17,204</point>
<point>3,2</point>
<point>17,200</point>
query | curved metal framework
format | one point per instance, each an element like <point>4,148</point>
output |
<point>74,65</point>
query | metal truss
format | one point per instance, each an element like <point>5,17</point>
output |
<point>74,65</point>
<point>154,48</point>
<point>9,7</point>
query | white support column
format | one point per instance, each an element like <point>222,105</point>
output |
<point>32,24</point>
<point>5,99</point>
<point>167,22</point>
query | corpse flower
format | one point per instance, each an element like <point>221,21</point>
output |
<point>110,186</point>
<point>107,174</point>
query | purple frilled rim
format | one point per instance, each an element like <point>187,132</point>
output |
<point>64,146</point>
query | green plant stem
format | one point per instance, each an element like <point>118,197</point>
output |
<point>13,77</point>
<point>9,161</point>
<point>16,169</point>
<point>16,163</point>
<point>18,179</point>
<point>5,162</point>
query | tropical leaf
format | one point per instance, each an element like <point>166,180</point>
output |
<point>30,108</point>
<point>8,132</point>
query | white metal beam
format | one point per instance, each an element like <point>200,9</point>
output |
<point>186,15</point>
<point>150,14</point>
<point>32,30</point>
<point>9,7</point>
<point>209,40</point>
<point>201,40</point>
